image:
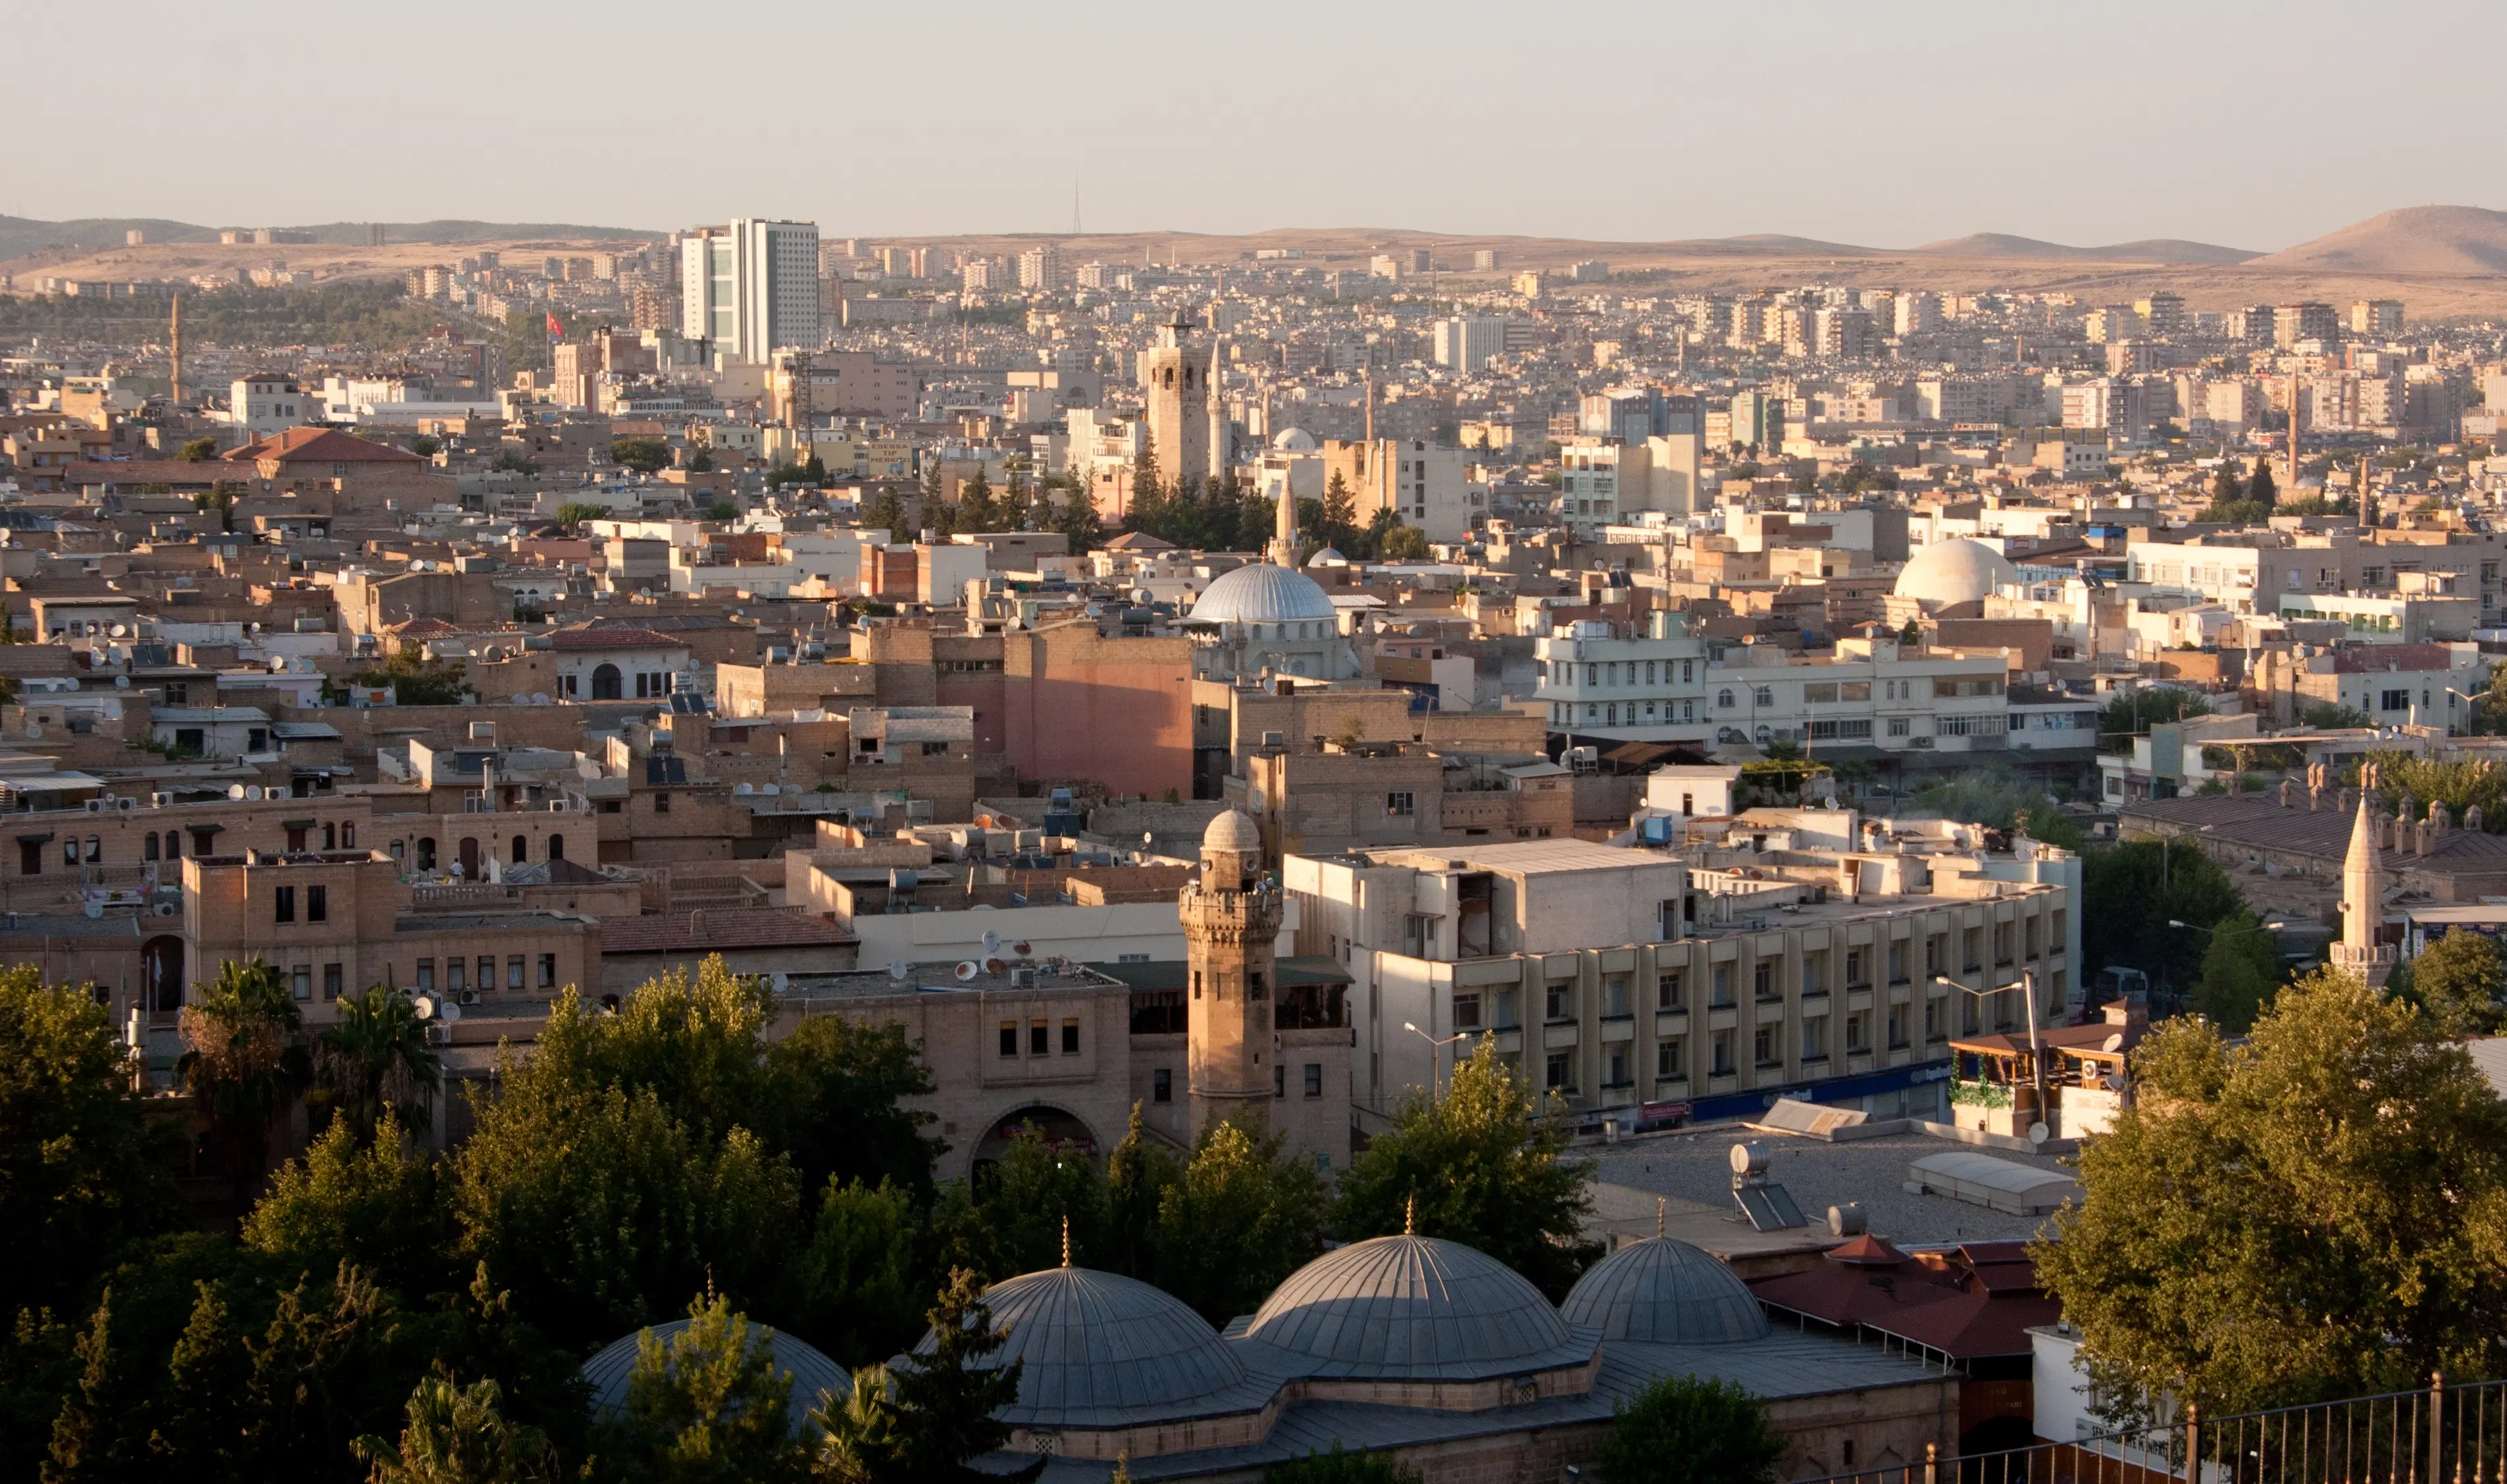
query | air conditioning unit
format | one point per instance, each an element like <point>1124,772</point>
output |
<point>98,806</point>
<point>160,800</point>
<point>169,910</point>
<point>125,803</point>
<point>469,997</point>
<point>439,1035</point>
<point>1919,742</point>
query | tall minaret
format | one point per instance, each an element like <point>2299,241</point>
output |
<point>1231,927</point>
<point>174,357</point>
<point>2363,896</point>
<point>1284,527</point>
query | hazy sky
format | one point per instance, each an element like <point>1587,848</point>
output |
<point>1888,124</point>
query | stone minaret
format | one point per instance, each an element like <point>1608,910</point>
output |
<point>2363,898</point>
<point>1231,927</point>
<point>1175,382</point>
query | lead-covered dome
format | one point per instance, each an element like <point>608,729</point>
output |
<point>1261,593</point>
<point>813,1372</point>
<point>1413,1307</point>
<point>1667,1292</point>
<point>1949,574</point>
<point>1101,1349</point>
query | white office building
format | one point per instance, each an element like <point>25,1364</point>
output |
<point>1468,342</point>
<point>750,289</point>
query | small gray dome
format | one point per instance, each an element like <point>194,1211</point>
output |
<point>1232,831</point>
<point>1667,1292</point>
<point>811,1372</point>
<point>1414,1306</point>
<point>1261,593</point>
<point>1100,1346</point>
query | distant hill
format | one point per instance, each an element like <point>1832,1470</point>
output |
<point>1997,244</point>
<point>2415,239</point>
<point>20,235</point>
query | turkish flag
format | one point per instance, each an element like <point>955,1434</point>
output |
<point>554,327</point>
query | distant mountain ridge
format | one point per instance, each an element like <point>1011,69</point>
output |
<point>1996,244</point>
<point>19,234</point>
<point>2414,239</point>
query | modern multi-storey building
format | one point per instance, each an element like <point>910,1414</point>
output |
<point>1468,341</point>
<point>1769,953</point>
<point>751,288</point>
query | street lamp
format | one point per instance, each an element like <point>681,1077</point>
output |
<point>2472,706</point>
<point>2232,933</point>
<point>1436,1045</point>
<point>2026,984</point>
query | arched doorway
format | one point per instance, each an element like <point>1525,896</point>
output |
<point>160,974</point>
<point>470,856</point>
<point>521,850</point>
<point>1064,1132</point>
<point>557,848</point>
<point>606,684</point>
<point>426,853</point>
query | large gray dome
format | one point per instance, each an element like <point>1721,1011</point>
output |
<point>1261,593</point>
<point>1667,1292</point>
<point>1100,1347</point>
<point>811,1372</point>
<point>1414,1306</point>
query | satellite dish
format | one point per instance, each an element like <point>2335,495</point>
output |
<point>95,908</point>
<point>34,732</point>
<point>995,966</point>
<point>900,971</point>
<point>991,941</point>
<point>448,1012</point>
<point>235,790</point>
<point>118,630</point>
<point>539,698</point>
<point>2037,1132</point>
<point>521,700</point>
<point>422,1007</point>
<point>968,970</point>
<point>782,981</point>
<point>2113,1042</point>
<point>1021,948</point>
<point>121,682</point>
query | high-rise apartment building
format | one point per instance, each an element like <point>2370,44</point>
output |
<point>1467,343</point>
<point>751,288</point>
<point>2296,322</point>
<point>1040,268</point>
<point>1484,261</point>
<point>2377,316</point>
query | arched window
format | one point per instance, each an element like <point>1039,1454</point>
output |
<point>1722,698</point>
<point>521,850</point>
<point>557,848</point>
<point>426,853</point>
<point>94,849</point>
<point>1764,696</point>
<point>606,684</point>
<point>330,836</point>
<point>348,837</point>
<point>147,846</point>
<point>174,845</point>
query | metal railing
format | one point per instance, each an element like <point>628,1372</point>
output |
<point>2437,1435</point>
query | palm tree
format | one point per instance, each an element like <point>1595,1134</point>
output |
<point>376,1055</point>
<point>243,1062</point>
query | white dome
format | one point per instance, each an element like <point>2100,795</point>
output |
<point>1947,573</point>
<point>1231,831</point>
<point>1263,593</point>
<point>1295,440</point>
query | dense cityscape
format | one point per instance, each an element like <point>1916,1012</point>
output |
<point>745,854</point>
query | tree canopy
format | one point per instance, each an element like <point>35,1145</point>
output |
<point>2313,1214</point>
<point>2132,890</point>
<point>1689,1429</point>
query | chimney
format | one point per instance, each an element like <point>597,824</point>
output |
<point>2289,793</point>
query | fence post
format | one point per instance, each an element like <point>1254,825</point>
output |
<point>2437,1427</point>
<point>2192,1443</point>
<point>1932,1464</point>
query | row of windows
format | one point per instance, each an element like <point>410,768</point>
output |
<point>1838,692</point>
<point>457,975</point>
<point>1162,1081</point>
<point>1601,672</point>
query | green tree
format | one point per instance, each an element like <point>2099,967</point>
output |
<point>198,450</point>
<point>195,1434</point>
<point>1078,518</point>
<point>574,513</point>
<point>1137,1177</point>
<point>1484,1170</point>
<point>82,1170</point>
<point>425,447</point>
<point>1244,1215</point>
<point>834,1097</point>
<point>2240,972</point>
<point>2227,488</point>
<point>99,1437</point>
<point>1015,1218</point>
<point>923,1419</point>
<point>2460,981</point>
<point>886,512</point>
<point>707,1406</point>
<point>418,680</point>
<point>975,512</point>
<point>2314,1213</point>
<point>2329,716</point>
<point>457,1435</point>
<point>857,1281</point>
<point>311,1392</point>
<point>2261,489</point>
<point>1689,1429</point>
<point>2460,785</point>
<point>2132,890</point>
<point>242,1063</point>
<point>644,455</point>
<point>1404,543</point>
<point>375,1058</point>
<point>371,1202</point>
<point>1339,1466</point>
<point>722,510</point>
<point>2132,712</point>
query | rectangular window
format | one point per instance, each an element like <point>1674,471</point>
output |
<point>1897,963</point>
<point>283,904</point>
<point>1763,979</point>
<point>1723,988</point>
<point>1898,726</point>
<point>1467,1010</point>
<point>1858,1033</point>
<point>1854,976</point>
<point>1162,1085</point>
<point>1668,993</point>
<point>1763,1047</point>
<point>331,981</point>
<point>1314,1079</point>
<point>1399,806</point>
<point>660,804</point>
<point>425,975</point>
<point>1722,1064</point>
<point>1823,694</point>
<point>487,971</point>
<point>1932,1020</point>
<point>1278,1079</point>
<point>513,971</point>
<point>1559,1003</point>
<point>1009,1038</point>
<point>1039,1039</point>
<point>548,971</point>
<point>1619,1070</point>
<point>1671,1060</point>
<point>1614,996</point>
<point>1554,1072</point>
<point>457,974</point>
<point>317,904</point>
<point>1854,690</point>
<point>301,981</point>
<point>1070,1037</point>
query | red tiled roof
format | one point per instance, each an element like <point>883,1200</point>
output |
<point>321,445</point>
<point>1984,1303</point>
<point>612,639</point>
<point>718,928</point>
